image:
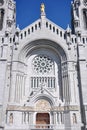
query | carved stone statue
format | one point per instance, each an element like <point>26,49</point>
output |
<point>42,7</point>
<point>74,118</point>
<point>11,118</point>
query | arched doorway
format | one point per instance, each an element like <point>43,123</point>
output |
<point>42,120</point>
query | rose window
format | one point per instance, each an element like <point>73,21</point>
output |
<point>42,64</point>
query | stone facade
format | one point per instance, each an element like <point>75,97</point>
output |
<point>43,71</point>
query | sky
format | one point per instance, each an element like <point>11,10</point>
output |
<point>58,11</point>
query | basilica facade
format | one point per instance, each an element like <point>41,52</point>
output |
<point>43,71</point>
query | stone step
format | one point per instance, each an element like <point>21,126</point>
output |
<point>41,129</point>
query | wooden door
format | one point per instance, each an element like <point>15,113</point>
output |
<point>42,119</point>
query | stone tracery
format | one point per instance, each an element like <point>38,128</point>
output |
<point>42,64</point>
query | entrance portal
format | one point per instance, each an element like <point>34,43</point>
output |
<point>42,120</point>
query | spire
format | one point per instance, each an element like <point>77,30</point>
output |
<point>68,29</point>
<point>42,9</point>
<point>17,29</point>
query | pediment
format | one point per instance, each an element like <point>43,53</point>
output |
<point>46,21</point>
<point>41,29</point>
<point>42,93</point>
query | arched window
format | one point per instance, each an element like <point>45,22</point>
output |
<point>53,29</point>
<point>28,31</point>
<point>50,26</point>
<point>47,24</point>
<point>21,36</point>
<point>35,26</point>
<point>2,40</point>
<point>1,2</point>
<point>61,33</point>
<point>25,33</point>
<point>57,31</point>
<point>64,36</point>
<point>85,18</point>
<point>32,29</point>
<point>39,24</point>
<point>83,39</point>
<point>1,18</point>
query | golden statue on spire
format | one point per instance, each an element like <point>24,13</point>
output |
<point>42,8</point>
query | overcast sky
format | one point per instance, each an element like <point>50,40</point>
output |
<point>58,11</point>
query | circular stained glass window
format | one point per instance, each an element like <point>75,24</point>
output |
<point>42,64</point>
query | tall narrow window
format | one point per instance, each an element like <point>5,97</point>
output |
<point>85,18</point>
<point>1,2</point>
<point>1,18</point>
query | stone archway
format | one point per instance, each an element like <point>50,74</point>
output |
<point>42,107</point>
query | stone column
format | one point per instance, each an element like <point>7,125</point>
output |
<point>31,118</point>
<point>55,119</point>
<point>51,118</point>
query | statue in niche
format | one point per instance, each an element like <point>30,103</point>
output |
<point>11,118</point>
<point>74,118</point>
<point>1,18</point>
<point>42,7</point>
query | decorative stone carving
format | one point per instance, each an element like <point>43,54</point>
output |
<point>19,108</point>
<point>65,108</point>
<point>42,105</point>
<point>11,5</point>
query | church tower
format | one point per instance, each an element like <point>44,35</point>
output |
<point>7,31</point>
<point>7,16</point>
<point>79,16</point>
<point>43,71</point>
<point>79,22</point>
